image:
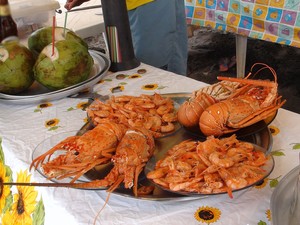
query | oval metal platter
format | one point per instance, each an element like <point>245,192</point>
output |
<point>262,138</point>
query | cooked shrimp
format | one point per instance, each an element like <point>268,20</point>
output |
<point>167,128</point>
<point>169,117</point>
<point>183,185</point>
<point>148,111</point>
<point>160,172</point>
<point>258,160</point>
<point>231,181</point>
<point>163,109</point>
<point>208,146</point>
<point>237,154</point>
<point>220,160</point>
<point>162,182</point>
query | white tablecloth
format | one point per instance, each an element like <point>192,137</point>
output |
<point>22,128</point>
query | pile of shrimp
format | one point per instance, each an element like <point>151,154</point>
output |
<point>153,112</point>
<point>213,166</point>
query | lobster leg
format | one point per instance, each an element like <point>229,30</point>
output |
<point>113,179</point>
<point>100,184</point>
<point>116,184</point>
<point>63,145</point>
<point>138,170</point>
<point>129,176</point>
<point>76,169</point>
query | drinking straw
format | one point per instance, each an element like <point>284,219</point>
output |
<point>53,34</point>
<point>65,24</point>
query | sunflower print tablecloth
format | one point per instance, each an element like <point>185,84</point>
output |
<point>23,127</point>
<point>270,20</point>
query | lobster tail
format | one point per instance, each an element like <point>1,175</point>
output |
<point>213,120</point>
<point>191,110</point>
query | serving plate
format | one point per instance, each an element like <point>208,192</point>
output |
<point>37,93</point>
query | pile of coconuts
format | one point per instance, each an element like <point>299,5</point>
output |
<point>66,63</point>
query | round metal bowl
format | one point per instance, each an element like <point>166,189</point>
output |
<point>282,198</point>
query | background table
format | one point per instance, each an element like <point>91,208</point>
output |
<point>23,127</point>
<point>85,23</point>
<point>276,21</point>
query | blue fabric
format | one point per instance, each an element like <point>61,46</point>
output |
<point>159,34</point>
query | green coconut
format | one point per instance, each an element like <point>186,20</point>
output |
<point>16,64</point>
<point>70,63</point>
<point>39,39</point>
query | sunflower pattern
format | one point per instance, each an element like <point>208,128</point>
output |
<point>150,87</point>
<point>52,124</point>
<point>268,214</point>
<point>80,105</point>
<point>208,215</point>
<point>5,193</point>
<point>274,130</point>
<point>129,76</point>
<point>121,76</point>
<point>261,184</point>
<point>268,218</point>
<point>85,120</point>
<point>118,88</point>
<point>134,76</point>
<point>21,207</point>
<point>42,106</point>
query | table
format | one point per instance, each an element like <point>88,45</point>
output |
<point>22,128</point>
<point>85,23</point>
<point>276,21</point>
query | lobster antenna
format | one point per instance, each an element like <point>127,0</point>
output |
<point>98,213</point>
<point>265,67</point>
<point>248,81</point>
<point>66,185</point>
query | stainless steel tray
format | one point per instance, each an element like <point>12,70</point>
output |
<point>37,93</point>
<point>261,138</point>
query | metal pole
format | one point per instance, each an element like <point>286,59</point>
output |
<point>241,51</point>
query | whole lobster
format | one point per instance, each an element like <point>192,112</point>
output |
<point>256,100</point>
<point>132,154</point>
<point>81,153</point>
